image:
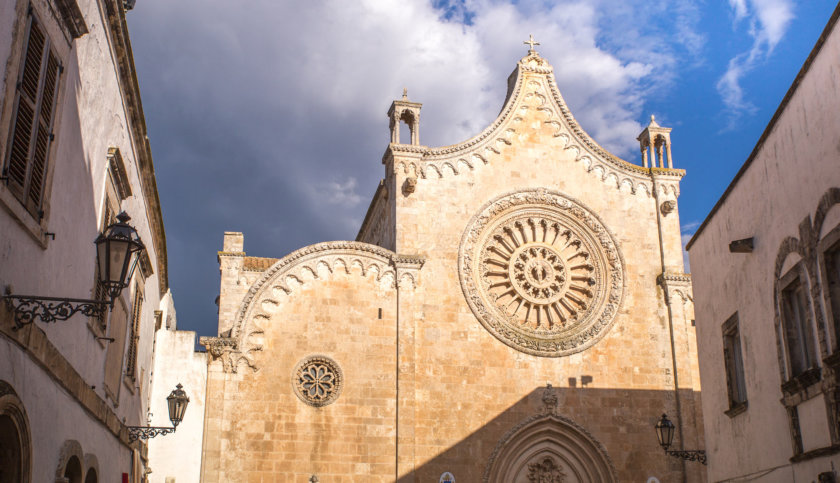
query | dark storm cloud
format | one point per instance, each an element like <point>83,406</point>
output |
<point>269,117</point>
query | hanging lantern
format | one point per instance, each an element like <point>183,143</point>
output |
<point>177,402</point>
<point>665,432</point>
<point>118,250</point>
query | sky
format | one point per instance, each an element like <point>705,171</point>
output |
<point>269,117</point>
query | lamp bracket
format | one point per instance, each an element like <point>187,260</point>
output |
<point>689,455</point>
<point>146,432</point>
<point>27,308</point>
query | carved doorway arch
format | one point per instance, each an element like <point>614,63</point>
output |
<point>549,448</point>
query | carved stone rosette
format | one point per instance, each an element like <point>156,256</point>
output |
<point>317,380</point>
<point>541,272</point>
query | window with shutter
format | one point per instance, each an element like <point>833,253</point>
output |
<point>798,332</point>
<point>134,334</point>
<point>31,134</point>
<point>734,366</point>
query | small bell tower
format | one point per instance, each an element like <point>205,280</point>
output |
<point>405,110</point>
<point>657,140</point>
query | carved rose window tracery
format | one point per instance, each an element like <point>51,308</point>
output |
<point>541,272</point>
<point>317,380</point>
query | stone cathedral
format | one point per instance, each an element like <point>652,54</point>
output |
<point>514,309</point>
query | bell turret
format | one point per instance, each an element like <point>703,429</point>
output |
<point>657,140</point>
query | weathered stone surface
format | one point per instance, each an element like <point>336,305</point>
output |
<point>427,388</point>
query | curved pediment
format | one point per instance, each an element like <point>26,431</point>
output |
<point>532,92</point>
<point>282,279</point>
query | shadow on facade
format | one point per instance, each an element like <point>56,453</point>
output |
<point>619,421</point>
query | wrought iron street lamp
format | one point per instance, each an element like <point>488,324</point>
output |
<point>118,250</point>
<point>665,434</point>
<point>176,402</point>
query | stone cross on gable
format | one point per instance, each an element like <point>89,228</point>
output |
<point>531,42</point>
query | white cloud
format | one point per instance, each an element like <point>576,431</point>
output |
<point>271,118</point>
<point>739,8</point>
<point>690,226</point>
<point>768,22</point>
<point>336,193</point>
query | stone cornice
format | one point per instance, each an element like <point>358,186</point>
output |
<point>118,32</point>
<point>72,16</point>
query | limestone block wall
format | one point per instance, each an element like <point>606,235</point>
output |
<point>465,378</point>
<point>258,428</point>
<point>428,388</point>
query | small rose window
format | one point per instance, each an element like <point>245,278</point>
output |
<point>317,380</point>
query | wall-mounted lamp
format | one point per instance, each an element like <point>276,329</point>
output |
<point>117,250</point>
<point>665,434</point>
<point>177,403</point>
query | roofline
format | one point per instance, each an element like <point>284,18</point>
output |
<point>791,91</point>
<point>369,213</point>
<point>137,127</point>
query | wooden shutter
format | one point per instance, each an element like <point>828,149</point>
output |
<point>33,119</point>
<point>131,363</point>
<point>44,135</point>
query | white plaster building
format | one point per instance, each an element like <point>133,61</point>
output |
<point>74,153</point>
<point>766,273</point>
<point>177,457</point>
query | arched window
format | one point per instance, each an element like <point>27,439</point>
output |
<point>73,470</point>
<point>70,463</point>
<point>91,476</point>
<point>15,446</point>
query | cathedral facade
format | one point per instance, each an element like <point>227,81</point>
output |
<point>513,309</point>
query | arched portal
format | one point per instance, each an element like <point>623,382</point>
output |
<point>10,451</point>
<point>548,448</point>
<point>15,448</point>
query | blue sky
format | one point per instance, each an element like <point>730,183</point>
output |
<point>270,119</point>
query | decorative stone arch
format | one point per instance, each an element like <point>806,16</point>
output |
<point>825,237</point>
<point>828,200</point>
<point>14,424</point>
<point>91,469</point>
<point>71,463</point>
<point>793,246</point>
<point>299,268</point>
<point>550,446</point>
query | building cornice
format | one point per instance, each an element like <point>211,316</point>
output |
<point>137,126</point>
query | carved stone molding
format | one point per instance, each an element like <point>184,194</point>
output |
<point>317,380</point>
<point>226,350</point>
<point>534,89</point>
<point>541,272</point>
<point>523,449</point>
<point>302,266</point>
<point>676,284</point>
<point>546,470</point>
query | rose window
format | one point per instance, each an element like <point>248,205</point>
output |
<point>317,380</point>
<point>541,273</point>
